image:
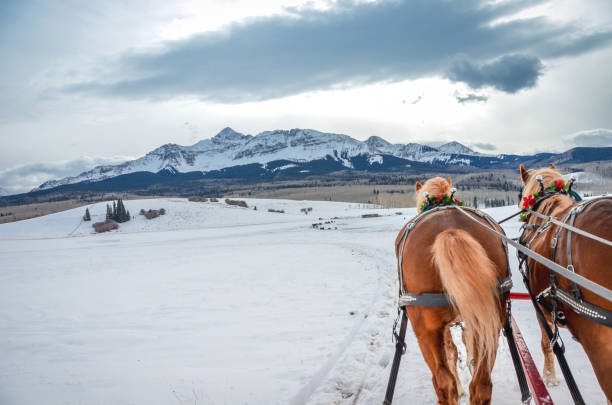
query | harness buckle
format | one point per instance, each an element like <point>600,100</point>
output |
<point>571,268</point>
<point>401,344</point>
<point>553,243</point>
<point>561,316</point>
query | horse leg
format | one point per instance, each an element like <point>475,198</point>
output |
<point>429,329</point>
<point>469,360</point>
<point>451,358</point>
<point>481,386</point>
<point>548,373</point>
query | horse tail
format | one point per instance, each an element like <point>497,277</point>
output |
<point>469,279</point>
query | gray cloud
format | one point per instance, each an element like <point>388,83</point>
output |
<point>349,45</point>
<point>470,98</point>
<point>592,137</point>
<point>23,178</point>
<point>510,73</point>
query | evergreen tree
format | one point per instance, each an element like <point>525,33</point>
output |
<point>119,213</point>
<point>87,217</point>
<point>109,212</point>
<point>123,215</point>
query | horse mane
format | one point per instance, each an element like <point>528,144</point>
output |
<point>434,186</point>
<point>549,176</point>
<point>552,205</point>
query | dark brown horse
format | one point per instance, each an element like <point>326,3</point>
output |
<point>448,252</point>
<point>590,259</point>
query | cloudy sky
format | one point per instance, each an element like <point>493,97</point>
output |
<point>85,83</point>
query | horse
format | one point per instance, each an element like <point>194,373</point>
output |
<point>589,259</point>
<point>446,252</point>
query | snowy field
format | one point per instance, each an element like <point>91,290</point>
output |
<point>212,304</point>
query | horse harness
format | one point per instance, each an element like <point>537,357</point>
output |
<point>441,299</point>
<point>553,294</point>
<point>430,299</point>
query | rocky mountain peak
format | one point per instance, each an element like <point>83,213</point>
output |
<point>456,147</point>
<point>376,141</point>
<point>228,134</point>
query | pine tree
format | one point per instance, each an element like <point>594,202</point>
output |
<point>119,211</point>
<point>87,217</point>
<point>109,213</point>
<point>123,213</point>
<point>120,214</point>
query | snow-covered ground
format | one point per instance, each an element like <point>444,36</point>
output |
<point>212,304</point>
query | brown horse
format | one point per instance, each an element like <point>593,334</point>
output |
<point>590,259</point>
<point>447,252</point>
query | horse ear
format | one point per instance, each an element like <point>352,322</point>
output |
<point>524,174</point>
<point>552,166</point>
<point>417,186</point>
<point>450,182</point>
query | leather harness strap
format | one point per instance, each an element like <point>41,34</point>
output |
<point>441,299</point>
<point>573,300</point>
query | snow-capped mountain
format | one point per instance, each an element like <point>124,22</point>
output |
<point>457,148</point>
<point>230,148</point>
<point>296,152</point>
<point>3,192</point>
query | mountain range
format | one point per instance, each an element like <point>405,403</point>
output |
<point>300,153</point>
<point>294,147</point>
<point>296,154</point>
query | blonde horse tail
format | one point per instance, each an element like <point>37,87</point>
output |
<point>469,279</point>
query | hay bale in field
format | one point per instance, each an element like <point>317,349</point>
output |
<point>238,203</point>
<point>105,226</point>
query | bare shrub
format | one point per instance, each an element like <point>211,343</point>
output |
<point>370,215</point>
<point>238,203</point>
<point>150,214</point>
<point>306,210</point>
<point>105,226</point>
<point>198,199</point>
<point>278,211</point>
<point>214,200</point>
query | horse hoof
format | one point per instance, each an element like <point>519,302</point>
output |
<point>550,379</point>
